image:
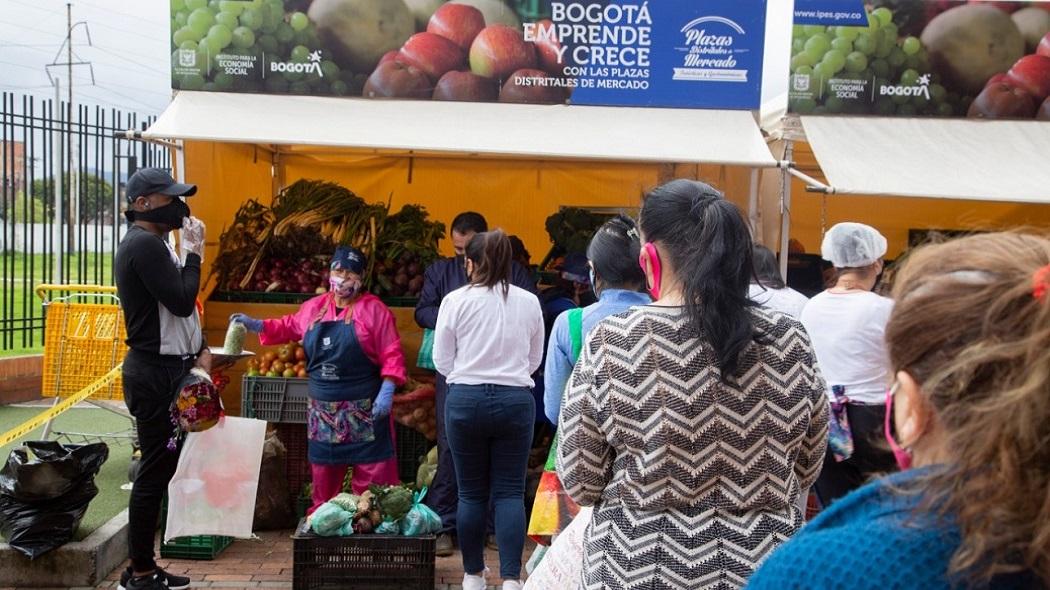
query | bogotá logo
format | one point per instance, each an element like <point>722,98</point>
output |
<point>187,58</point>
<point>710,51</point>
<point>920,88</point>
<point>311,66</point>
<point>800,83</point>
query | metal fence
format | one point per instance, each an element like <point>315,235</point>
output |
<point>62,175</point>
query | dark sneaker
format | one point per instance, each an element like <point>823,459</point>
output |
<point>443,546</point>
<point>167,580</point>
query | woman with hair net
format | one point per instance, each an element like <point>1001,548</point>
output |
<point>847,325</point>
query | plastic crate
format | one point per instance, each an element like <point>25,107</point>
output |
<point>292,298</point>
<point>361,562</point>
<point>296,463</point>
<point>200,547</point>
<point>275,399</point>
<point>260,297</point>
<point>411,445</point>
<point>302,504</point>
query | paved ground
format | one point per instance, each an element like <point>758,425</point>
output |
<point>267,563</point>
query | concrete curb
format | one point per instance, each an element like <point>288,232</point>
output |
<point>78,564</point>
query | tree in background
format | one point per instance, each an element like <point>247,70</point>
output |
<point>96,197</point>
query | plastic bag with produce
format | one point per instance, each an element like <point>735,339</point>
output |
<point>420,520</point>
<point>330,520</point>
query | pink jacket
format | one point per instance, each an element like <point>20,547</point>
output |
<point>373,321</point>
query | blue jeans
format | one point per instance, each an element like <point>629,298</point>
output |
<point>490,433</point>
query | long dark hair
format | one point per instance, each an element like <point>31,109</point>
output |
<point>767,269</point>
<point>613,252</point>
<point>491,254</point>
<point>709,245</point>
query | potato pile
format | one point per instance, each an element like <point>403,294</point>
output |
<point>414,408</point>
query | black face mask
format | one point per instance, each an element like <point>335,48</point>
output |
<point>171,215</point>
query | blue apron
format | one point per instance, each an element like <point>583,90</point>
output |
<point>344,383</point>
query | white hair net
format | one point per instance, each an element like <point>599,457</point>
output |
<point>853,245</point>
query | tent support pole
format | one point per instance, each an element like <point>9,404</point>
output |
<point>752,207</point>
<point>785,207</point>
<point>137,136</point>
<point>812,184</point>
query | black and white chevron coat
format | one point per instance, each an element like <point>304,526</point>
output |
<point>693,481</point>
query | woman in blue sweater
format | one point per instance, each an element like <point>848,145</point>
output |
<point>969,340</point>
<point>617,281</point>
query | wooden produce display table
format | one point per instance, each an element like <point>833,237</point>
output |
<point>216,320</point>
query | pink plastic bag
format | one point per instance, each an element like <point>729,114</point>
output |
<point>214,487</point>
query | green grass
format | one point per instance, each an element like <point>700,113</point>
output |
<point>20,274</point>
<point>111,500</point>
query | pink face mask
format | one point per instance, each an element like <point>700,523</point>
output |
<point>902,456</point>
<point>344,288</point>
<point>654,263</point>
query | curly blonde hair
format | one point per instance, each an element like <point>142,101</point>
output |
<point>969,327</point>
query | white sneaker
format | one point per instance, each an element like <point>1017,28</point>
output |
<point>474,582</point>
<point>512,585</point>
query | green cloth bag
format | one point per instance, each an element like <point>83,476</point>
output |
<point>425,360</point>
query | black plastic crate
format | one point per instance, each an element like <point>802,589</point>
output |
<point>411,445</point>
<point>296,459</point>
<point>361,562</point>
<point>275,399</point>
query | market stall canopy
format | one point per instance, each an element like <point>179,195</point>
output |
<point>939,158</point>
<point>421,127</point>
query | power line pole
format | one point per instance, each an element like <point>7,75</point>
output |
<point>65,204</point>
<point>70,182</point>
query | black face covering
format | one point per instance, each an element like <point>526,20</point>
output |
<point>171,215</point>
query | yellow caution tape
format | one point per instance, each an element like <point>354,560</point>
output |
<point>39,420</point>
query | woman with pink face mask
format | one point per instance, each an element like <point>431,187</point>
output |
<point>693,424</point>
<point>354,361</point>
<point>968,420</point>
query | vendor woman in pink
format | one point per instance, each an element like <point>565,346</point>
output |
<point>355,361</point>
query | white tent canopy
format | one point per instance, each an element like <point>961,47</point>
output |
<point>502,130</point>
<point>937,158</point>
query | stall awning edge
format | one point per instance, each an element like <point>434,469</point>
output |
<point>936,158</point>
<point>499,130</point>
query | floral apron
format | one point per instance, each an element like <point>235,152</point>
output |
<point>343,385</point>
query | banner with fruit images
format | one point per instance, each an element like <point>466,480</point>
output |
<point>653,53</point>
<point>921,58</point>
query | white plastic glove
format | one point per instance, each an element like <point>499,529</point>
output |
<point>192,237</point>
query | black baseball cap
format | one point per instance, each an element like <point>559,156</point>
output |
<point>149,181</point>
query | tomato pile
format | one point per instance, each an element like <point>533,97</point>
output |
<point>289,361</point>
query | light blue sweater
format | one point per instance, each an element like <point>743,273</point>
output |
<point>560,361</point>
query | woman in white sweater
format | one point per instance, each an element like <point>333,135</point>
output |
<point>489,342</point>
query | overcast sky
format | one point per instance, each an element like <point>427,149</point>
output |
<point>129,51</point>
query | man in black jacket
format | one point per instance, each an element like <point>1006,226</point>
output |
<point>158,293</point>
<point>440,279</point>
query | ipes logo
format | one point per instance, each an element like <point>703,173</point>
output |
<point>921,88</point>
<point>313,65</point>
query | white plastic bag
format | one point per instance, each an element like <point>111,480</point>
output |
<point>562,565</point>
<point>213,490</point>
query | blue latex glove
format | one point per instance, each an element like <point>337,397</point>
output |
<point>251,324</point>
<point>384,400</point>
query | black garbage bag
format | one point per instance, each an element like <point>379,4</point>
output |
<point>45,489</point>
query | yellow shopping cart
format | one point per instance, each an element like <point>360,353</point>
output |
<point>84,338</point>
